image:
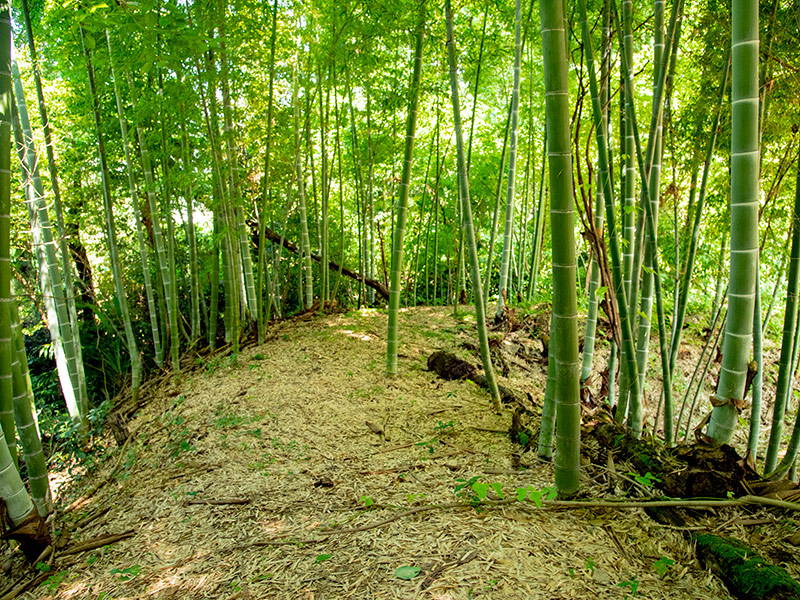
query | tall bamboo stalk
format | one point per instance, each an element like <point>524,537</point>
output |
<point>565,299</point>
<point>402,201</point>
<point>466,207</point>
<point>111,230</point>
<point>505,261</point>
<point>744,218</point>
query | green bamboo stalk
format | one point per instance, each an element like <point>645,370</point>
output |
<point>239,230</point>
<point>12,491</point>
<point>548,424</point>
<point>496,211</point>
<point>703,376</point>
<point>402,201</point>
<point>538,241</point>
<point>654,184</point>
<point>744,218</point>
<point>66,260</point>
<point>716,302</point>
<point>565,299</point>
<point>512,164</point>
<point>51,282</point>
<point>324,209</point>
<point>162,256</point>
<point>469,230</point>
<point>305,244</point>
<point>25,417</point>
<point>683,297</point>
<point>266,190</point>
<point>111,232</point>
<point>757,384</point>
<point>191,236</point>
<point>778,282</point>
<point>645,161</point>
<point>631,379</point>
<point>594,281</point>
<point>166,206</point>
<point>790,320</point>
<point>143,252</point>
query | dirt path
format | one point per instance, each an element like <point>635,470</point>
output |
<point>285,430</point>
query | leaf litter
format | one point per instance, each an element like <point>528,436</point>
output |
<point>302,472</point>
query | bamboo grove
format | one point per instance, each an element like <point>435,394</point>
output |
<point>630,167</point>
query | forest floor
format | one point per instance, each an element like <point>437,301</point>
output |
<point>265,479</point>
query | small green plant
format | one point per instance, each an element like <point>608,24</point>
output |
<point>443,427</point>
<point>647,480</point>
<point>463,487</point>
<point>412,498</point>
<point>322,558</point>
<point>127,573</point>
<point>367,501</point>
<point>633,584</point>
<point>428,444</point>
<point>52,582</point>
<point>662,565</point>
<point>588,564</point>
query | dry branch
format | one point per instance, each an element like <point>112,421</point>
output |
<point>275,238</point>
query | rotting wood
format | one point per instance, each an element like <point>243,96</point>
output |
<point>448,366</point>
<point>276,238</point>
<point>746,574</point>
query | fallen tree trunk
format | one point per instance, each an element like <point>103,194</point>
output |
<point>745,573</point>
<point>275,238</point>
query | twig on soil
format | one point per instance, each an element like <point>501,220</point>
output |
<point>393,448</point>
<point>556,504</point>
<point>219,501</point>
<point>98,542</point>
<point>84,522</point>
<point>431,577</point>
<point>85,497</point>
<point>25,586</point>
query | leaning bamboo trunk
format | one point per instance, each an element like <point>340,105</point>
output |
<point>51,277</point>
<point>469,230</point>
<point>66,259</point>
